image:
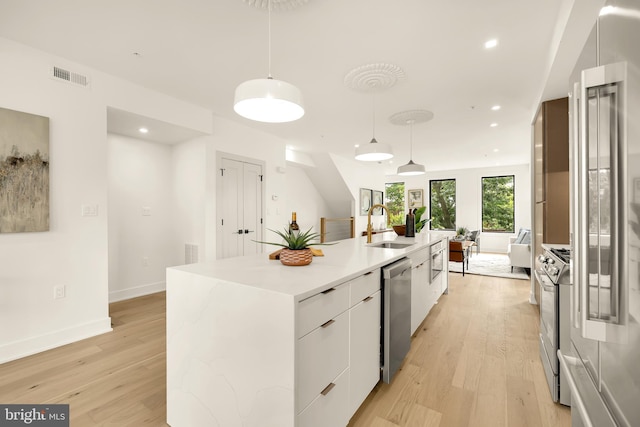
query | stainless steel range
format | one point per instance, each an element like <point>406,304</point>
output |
<point>554,272</point>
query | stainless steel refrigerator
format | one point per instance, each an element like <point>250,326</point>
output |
<point>602,363</point>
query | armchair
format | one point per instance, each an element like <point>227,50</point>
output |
<point>458,254</point>
<point>519,249</point>
<point>474,236</point>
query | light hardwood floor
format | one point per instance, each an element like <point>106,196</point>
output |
<point>474,362</point>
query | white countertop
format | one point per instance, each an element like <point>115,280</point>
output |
<point>341,262</point>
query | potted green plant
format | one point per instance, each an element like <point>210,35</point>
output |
<point>461,233</point>
<point>296,246</point>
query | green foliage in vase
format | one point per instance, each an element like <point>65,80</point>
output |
<point>420,223</point>
<point>296,241</point>
<point>462,231</point>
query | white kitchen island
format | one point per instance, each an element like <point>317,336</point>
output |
<point>251,342</point>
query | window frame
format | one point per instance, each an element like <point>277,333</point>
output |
<point>513,177</point>
<point>455,181</point>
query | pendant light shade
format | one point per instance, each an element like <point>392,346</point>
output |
<point>268,100</point>
<point>411,168</point>
<point>374,152</point>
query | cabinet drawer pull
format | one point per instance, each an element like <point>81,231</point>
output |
<point>366,274</point>
<point>327,389</point>
<point>369,298</point>
<point>328,290</point>
<point>328,323</point>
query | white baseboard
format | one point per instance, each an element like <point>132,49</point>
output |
<point>137,291</point>
<point>27,347</point>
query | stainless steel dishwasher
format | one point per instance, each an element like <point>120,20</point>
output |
<point>396,317</point>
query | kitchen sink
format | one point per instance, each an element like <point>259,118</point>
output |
<point>390,245</point>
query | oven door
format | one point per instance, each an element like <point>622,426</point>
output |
<point>548,317</point>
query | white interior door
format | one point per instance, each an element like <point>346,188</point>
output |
<point>240,202</point>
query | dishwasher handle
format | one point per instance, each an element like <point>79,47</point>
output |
<point>397,268</point>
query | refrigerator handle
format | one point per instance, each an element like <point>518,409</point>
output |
<point>574,197</point>
<point>607,328</point>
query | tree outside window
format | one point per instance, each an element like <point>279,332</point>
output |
<point>498,195</point>
<point>394,199</point>
<point>442,204</point>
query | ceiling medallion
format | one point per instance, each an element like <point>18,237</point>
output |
<point>276,5</point>
<point>373,77</point>
<point>411,116</point>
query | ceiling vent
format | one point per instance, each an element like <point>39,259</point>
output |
<point>61,74</point>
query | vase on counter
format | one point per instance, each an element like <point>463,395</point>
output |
<point>296,257</point>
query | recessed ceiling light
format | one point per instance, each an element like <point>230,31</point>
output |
<point>357,145</point>
<point>496,107</point>
<point>495,150</point>
<point>143,130</point>
<point>493,125</point>
<point>489,44</point>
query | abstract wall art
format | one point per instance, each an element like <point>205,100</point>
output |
<point>24,172</point>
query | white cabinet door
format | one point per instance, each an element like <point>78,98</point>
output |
<point>420,295</point>
<point>364,349</point>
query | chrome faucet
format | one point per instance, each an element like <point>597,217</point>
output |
<point>369,226</point>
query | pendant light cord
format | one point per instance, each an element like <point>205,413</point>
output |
<point>410,139</point>
<point>373,108</point>
<point>269,50</point>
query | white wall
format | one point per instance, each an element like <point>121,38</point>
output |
<point>74,253</point>
<point>304,199</point>
<point>359,175</point>
<point>469,198</point>
<point>189,178</point>
<point>141,246</point>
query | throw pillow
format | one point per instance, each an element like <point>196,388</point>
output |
<point>521,234</point>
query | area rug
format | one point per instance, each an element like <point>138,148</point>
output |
<point>486,264</point>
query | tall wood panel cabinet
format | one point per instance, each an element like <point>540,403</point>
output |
<point>551,173</point>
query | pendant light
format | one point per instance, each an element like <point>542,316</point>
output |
<point>374,151</point>
<point>268,100</point>
<point>411,168</point>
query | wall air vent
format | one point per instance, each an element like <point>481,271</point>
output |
<point>77,79</point>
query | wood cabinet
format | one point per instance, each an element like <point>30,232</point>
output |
<point>551,173</point>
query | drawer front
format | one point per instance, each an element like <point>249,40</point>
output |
<point>363,286</point>
<point>419,257</point>
<point>321,356</point>
<point>329,409</point>
<point>318,309</point>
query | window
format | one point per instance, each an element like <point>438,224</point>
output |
<point>498,204</point>
<point>442,204</point>
<point>394,199</point>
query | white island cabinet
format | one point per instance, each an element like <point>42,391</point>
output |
<point>251,342</point>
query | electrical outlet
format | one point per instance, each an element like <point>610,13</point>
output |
<point>59,292</point>
<point>89,210</point>
<point>145,261</point>
<point>146,211</point>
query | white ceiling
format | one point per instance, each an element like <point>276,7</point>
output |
<point>200,50</point>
